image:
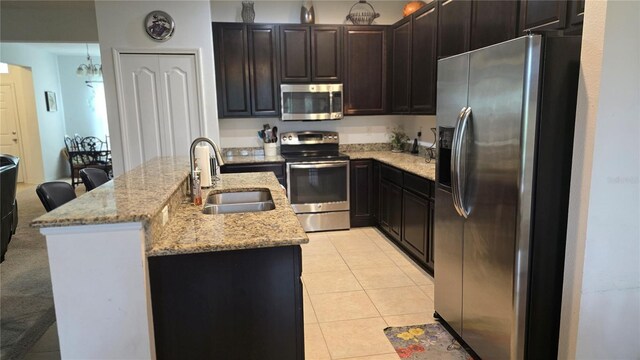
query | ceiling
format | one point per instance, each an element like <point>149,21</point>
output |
<point>68,49</point>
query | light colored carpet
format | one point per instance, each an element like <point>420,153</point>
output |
<point>26,300</point>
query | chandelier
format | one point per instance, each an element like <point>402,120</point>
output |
<point>89,69</point>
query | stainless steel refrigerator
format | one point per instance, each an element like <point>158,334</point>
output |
<point>505,116</point>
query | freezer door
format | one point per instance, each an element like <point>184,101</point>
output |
<point>448,261</point>
<point>498,80</point>
<point>453,76</point>
<point>453,86</point>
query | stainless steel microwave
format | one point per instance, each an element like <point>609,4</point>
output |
<point>311,102</point>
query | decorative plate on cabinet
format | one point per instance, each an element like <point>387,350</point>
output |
<point>159,25</point>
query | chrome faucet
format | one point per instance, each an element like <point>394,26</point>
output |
<point>216,152</point>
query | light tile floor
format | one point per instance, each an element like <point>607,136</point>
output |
<point>356,283</point>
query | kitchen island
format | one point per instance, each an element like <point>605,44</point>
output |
<point>114,251</point>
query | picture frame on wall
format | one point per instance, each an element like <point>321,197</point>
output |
<point>50,99</point>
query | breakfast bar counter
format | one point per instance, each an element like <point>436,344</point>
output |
<point>136,267</point>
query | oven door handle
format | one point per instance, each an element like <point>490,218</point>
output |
<point>320,165</point>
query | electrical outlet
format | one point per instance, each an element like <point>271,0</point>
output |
<point>165,215</point>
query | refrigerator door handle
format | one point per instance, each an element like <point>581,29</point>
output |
<point>461,130</point>
<point>455,191</point>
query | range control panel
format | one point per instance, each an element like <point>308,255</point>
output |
<point>309,137</point>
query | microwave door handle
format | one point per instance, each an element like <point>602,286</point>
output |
<point>454,160</point>
<point>330,103</point>
<point>458,163</point>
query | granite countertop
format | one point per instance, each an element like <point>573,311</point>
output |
<point>191,231</point>
<point>414,164</point>
<point>135,196</point>
<point>411,163</point>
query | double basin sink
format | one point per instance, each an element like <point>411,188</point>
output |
<point>238,202</point>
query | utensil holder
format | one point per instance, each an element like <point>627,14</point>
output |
<point>270,149</point>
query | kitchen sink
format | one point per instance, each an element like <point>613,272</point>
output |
<point>238,202</point>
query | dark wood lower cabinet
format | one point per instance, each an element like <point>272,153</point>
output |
<point>391,209</point>
<point>361,192</point>
<point>415,224</point>
<point>276,168</point>
<point>400,204</point>
<point>241,304</point>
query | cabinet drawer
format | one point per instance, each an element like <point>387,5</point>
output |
<point>391,174</point>
<point>277,169</point>
<point>418,185</point>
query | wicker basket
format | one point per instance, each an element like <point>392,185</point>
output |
<point>362,13</point>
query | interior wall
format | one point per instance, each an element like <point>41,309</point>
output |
<point>43,21</point>
<point>601,302</point>
<point>44,67</point>
<point>120,26</point>
<point>326,11</point>
<point>84,104</point>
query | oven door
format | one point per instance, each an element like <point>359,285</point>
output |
<point>320,186</point>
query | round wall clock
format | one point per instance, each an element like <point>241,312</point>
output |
<point>159,25</point>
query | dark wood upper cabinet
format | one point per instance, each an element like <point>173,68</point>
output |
<point>232,69</point>
<point>492,22</point>
<point>263,70</point>
<point>576,13</point>
<point>401,66</point>
<point>310,53</point>
<point>295,50</point>
<point>246,69</point>
<point>326,53</point>
<point>365,69</point>
<point>454,27</point>
<point>542,15</point>
<point>424,61</point>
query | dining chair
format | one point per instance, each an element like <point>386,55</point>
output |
<point>55,193</point>
<point>93,177</point>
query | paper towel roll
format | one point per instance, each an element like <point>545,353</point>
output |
<point>202,161</point>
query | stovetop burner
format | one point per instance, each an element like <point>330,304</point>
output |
<point>311,146</point>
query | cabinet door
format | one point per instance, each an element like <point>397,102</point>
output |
<point>262,43</point>
<point>454,27</point>
<point>415,224</point>
<point>326,53</point>
<point>276,168</point>
<point>576,13</point>
<point>430,237</point>
<point>395,211</point>
<point>542,15</point>
<point>493,22</point>
<point>391,209</point>
<point>361,192</point>
<point>375,194</point>
<point>295,50</point>
<point>232,70</point>
<point>365,59</point>
<point>401,66</point>
<point>424,75</point>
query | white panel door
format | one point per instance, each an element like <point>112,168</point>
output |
<point>160,106</point>
<point>9,125</point>
<point>182,121</point>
